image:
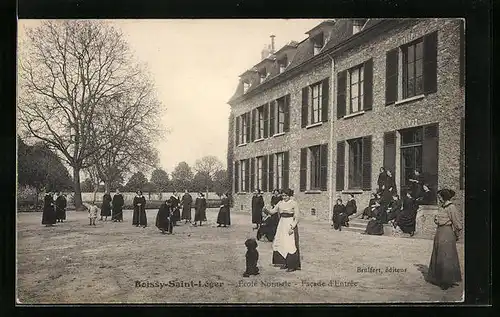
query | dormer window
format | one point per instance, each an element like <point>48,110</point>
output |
<point>357,25</point>
<point>318,42</point>
<point>246,86</point>
<point>263,75</point>
<point>283,63</point>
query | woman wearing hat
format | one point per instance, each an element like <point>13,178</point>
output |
<point>286,242</point>
<point>444,267</point>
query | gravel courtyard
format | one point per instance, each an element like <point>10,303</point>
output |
<point>118,263</point>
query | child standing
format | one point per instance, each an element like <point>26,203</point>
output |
<point>93,210</point>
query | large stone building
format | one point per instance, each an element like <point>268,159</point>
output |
<point>323,115</point>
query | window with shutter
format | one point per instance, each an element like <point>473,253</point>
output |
<point>315,167</point>
<point>356,88</point>
<point>236,177</point>
<point>286,114</point>
<point>325,93</point>
<point>355,163</point>
<point>305,106</point>
<point>303,169</point>
<point>252,174</point>
<point>391,76</point>
<point>340,166</point>
<point>430,62</point>
<point>324,167</point>
<point>247,179</point>
<point>367,163</point>
<point>280,115</point>
<point>368,85</point>
<point>270,175</point>
<point>254,125</point>
<point>413,69</point>
<point>411,155</point>
<point>272,116</point>
<point>266,121</point>
<point>278,171</point>
<point>259,171</point>
<point>315,108</point>
<point>341,93</point>
<point>247,125</point>
<point>265,173</point>
<point>286,169</point>
<point>390,152</point>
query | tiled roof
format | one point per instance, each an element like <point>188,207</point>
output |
<point>341,30</point>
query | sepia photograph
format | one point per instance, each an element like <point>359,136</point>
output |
<point>239,161</point>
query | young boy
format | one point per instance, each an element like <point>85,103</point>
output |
<point>93,210</point>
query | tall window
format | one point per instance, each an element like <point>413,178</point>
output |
<point>280,122</point>
<point>411,153</point>
<point>243,176</point>
<point>283,63</point>
<point>356,89</point>
<point>260,122</point>
<point>246,86</point>
<point>318,42</point>
<point>413,79</point>
<point>259,172</point>
<point>279,170</point>
<point>314,167</point>
<point>315,103</point>
<point>355,163</point>
<point>244,120</point>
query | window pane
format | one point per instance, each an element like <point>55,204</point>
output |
<point>361,73</point>
<point>354,76</point>
<point>418,158</point>
<point>418,67</point>
<point>411,55</point>
<point>354,91</point>
<point>419,85</point>
<point>411,88</point>
<point>419,50</point>
<point>409,70</point>
<point>354,105</point>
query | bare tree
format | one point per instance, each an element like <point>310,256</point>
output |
<point>71,76</point>
<point>208,166</point>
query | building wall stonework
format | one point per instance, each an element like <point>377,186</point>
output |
<point>291,141</point>
<point>445,107</point>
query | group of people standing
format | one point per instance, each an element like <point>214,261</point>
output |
<point>112,206</point>
<point>54,208</point>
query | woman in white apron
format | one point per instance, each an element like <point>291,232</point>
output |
<point>286,242</point>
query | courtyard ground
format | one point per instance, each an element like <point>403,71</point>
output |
<point>112,262</point>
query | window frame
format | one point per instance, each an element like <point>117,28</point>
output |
<point>405,64</point>
<point>259,172</point>
<point>280,103</point>
<point>279,169</point>
<point>352,173</point>
<point>314,172</point>
<point>318,43</point>
<point>319,109</point>
<point>360,88</point>
<point>244,137</point>
<point>243,176</point>
<point>260,126</point>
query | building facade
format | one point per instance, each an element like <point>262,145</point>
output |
<point>322,116</point>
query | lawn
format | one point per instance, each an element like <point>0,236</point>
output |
<point>119,263</point>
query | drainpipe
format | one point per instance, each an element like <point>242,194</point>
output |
<point>332,95</point>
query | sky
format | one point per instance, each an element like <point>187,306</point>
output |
<point>195,65</point>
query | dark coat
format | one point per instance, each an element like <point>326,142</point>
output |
<point>351,208</point>
<point>200,213</point>
<point>139,217</point>
<point>381,180</point>
<point>106,205</point>
<point>368,211</point>
<point>394,209</point>
<point>407,218</point>
<point>257,205</point>
<point>275,199</point>
<point>339,216</point>
<point>224,216</point>
<point>61,204</point>
<point>118,202</point>
<point>187,201</point>
<point>163,218</point>
<point>49,212</point>
<point>176,208</point>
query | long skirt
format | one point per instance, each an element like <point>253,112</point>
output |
<point>60,213</point>
<point>224,217</point>
<point>105,211</point>
<point>186,213</point>
<point>143,220</point>
<point>135,216</point>
<point>375,227</point>
<point>176,215</point>
<point>285,246</point>
<point>339,220</point>
<point>406,221</point>
<point>117,213</point>
<point>200,215</point>
<point>49,216</point>
<point>444,267</point>
<point>256,216</point>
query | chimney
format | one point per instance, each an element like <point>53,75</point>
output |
<point>272,43</point>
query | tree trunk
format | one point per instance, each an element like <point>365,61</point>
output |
<point>107,187</point>
<point>207,192</point>
<point>77,189</point>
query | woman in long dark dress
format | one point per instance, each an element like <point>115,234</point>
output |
<point>224,217</point>
<point>286,253</point>
<point>257,205</point>
<point>376,225</point>
<point>106,206</point>
<point>338,215</point>
<point>200,206</point>
<point>389,189</point>
<point>187,202</point>
<point>49,211</point>
<point>139,216</point>
<point>350,207</point>
<point>118,202</point>
<point>381,180</point>
<point>163,218</point>
<point>444,266</point>
<point>394,208</point>
<point>407,218</point>
<point>61,204</point>
<point>176,208</point>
